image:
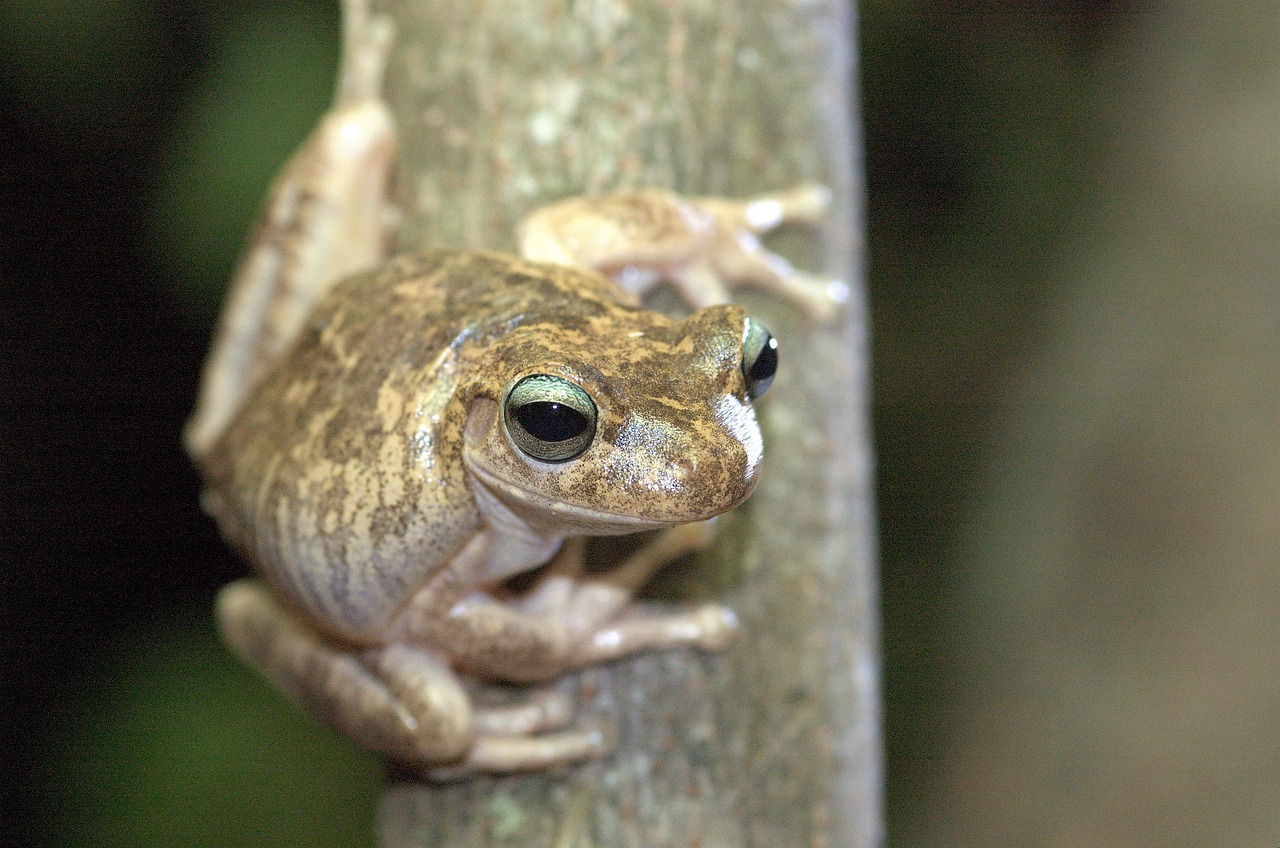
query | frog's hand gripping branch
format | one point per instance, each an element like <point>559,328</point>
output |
<point>575,616</point>
<point>327,215</point>
<point>700,246</point>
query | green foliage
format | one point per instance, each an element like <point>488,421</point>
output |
<point>174,742</point>
<point>179,744</point>
<point>271,76</point>
<point>73,60</point>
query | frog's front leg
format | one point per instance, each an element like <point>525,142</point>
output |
<point>574,617</point>
<point>396,699</point>
<point>701,246</point>
<point>326,216</point>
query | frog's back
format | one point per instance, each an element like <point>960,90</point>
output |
<point>451,295</point>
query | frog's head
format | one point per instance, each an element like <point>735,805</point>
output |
<point>621,421</point>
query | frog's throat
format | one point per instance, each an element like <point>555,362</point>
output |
<point>544,513</point>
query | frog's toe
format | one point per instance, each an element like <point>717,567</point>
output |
<point>718,627</point>
<point>500,754</point>
<point>546,710</point>
<point>824,299</point>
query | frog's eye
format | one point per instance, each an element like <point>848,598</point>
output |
<point>759,358</point>
<point>549,418</point>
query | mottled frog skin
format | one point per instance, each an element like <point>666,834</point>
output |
<point>387,446</point>
<point>352,474</point>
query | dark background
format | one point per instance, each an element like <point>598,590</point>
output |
<point>136,139</point>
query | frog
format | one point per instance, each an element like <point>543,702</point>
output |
<point>391,439</point>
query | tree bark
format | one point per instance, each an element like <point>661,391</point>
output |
<point>508,104</point>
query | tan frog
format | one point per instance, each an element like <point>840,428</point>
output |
<point>388,447</point>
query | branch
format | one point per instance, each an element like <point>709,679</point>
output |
<point>503,106</point>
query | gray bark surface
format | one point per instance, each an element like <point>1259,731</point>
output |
<point>503,106</point>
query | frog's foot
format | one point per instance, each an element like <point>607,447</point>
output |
<point>542,712</point>
<point>397,700</point>
<point>501,739</point>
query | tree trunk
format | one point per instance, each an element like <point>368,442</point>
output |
<point>508,104</point>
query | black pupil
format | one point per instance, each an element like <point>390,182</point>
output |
<point>551,421</point>
<point>766,361</point>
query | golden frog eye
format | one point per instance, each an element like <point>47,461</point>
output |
<point>549,418</point>
<point>759,358</point>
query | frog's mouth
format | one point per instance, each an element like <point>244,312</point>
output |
<point>504,500</point>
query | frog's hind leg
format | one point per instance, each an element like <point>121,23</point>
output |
<point>426,717</point>
<point>500,739</point>
<point>397,700</point>
<point>327,215</point>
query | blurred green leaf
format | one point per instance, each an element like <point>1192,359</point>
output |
<point>74,60</point>
<point>181,745</point>
<point>271,77</point>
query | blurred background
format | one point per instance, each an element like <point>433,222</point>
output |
<point>1075,279</point>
